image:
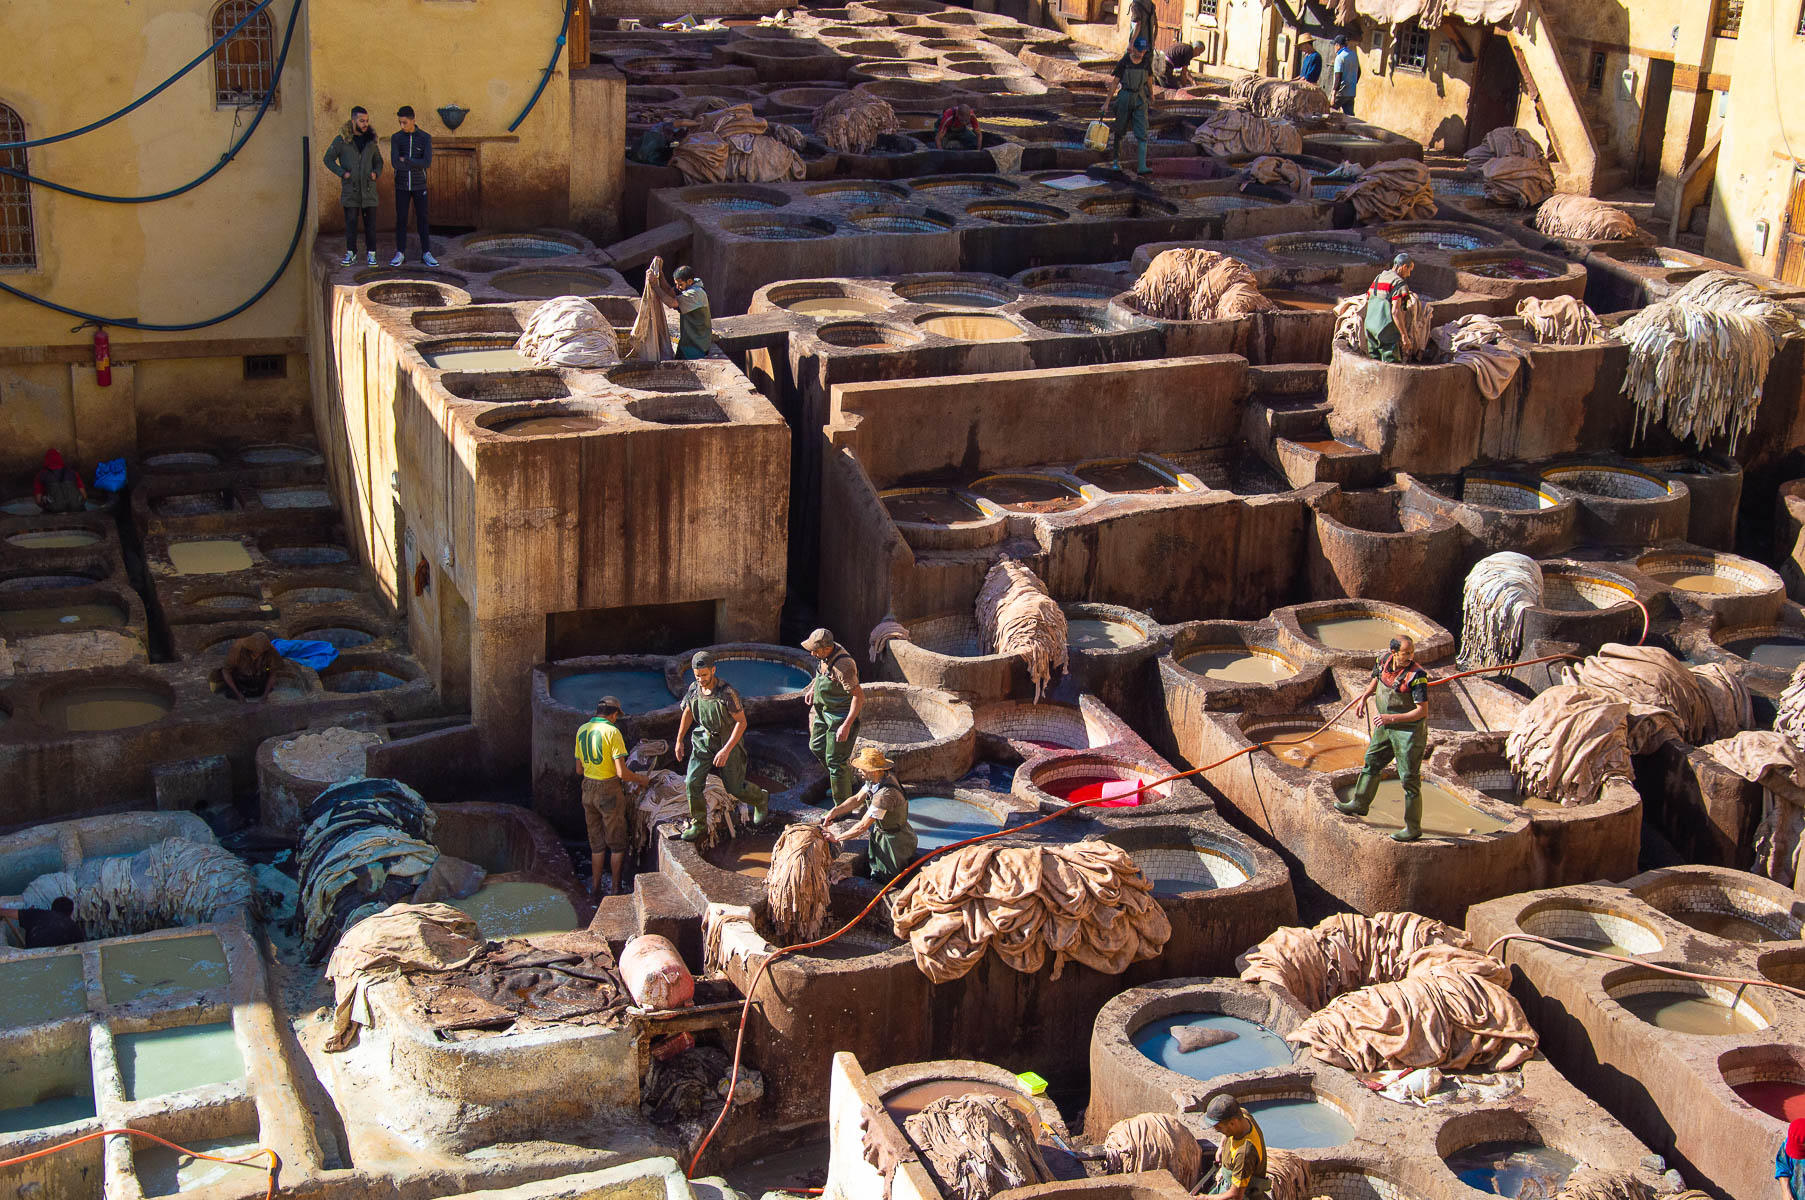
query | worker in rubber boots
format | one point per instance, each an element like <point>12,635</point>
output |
<point>1241,1161</point>
<point>1400,732</point>
<point>710,734</point>
<point>885,817</point>
<point>835,697</point>
<point>1385,300</point>
<point>1131,99</point>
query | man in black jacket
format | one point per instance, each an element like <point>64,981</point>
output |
<point>410,153</point>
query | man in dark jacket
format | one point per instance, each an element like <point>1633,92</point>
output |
<point>410,153</point>
<point>46,927</point>
<point>356,157</point>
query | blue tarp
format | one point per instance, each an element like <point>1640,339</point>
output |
<point>318,655</point>
<point>109,476</point>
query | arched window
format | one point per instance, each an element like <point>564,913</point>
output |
<point>18,247</point>
<point>244,68</point>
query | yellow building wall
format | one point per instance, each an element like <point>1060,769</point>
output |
<point>488,58</point>
<point>1763,137</point>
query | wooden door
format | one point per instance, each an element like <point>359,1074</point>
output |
<point>1168,19</point>
<point>453,183</point>
<point>1791,268</point>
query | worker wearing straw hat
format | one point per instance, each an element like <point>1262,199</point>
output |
<point>835,697</point>
<point>886,816</point>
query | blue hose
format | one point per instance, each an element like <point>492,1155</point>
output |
<point>268,97</point>
<point>557,49</point>
<point>150,327</point>
<point>108,120</point>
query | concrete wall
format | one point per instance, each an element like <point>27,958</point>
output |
<point>1763,140</point>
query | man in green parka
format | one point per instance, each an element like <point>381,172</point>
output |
<point>355,156</point>
<point>709,735</point>
<point>886,816</point>
<point>1400,731</point>
<point>835,697</point>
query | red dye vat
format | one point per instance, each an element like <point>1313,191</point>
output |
<point>1046,745</point>
<point>1111,793</point>
<point>1784,1101</point>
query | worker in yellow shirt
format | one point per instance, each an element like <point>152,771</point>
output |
<point>603,752</point>
<point>1241,1162</point>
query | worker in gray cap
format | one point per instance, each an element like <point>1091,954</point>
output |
<point>710,734</point>
<point>1241,1159</point>
<point>834,699</point>
<point>1385,301</point>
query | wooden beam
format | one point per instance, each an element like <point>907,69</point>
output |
<point>125,352</point>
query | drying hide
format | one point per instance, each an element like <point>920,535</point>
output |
<point>1789,715</point>
<point>406,938</point>
<point>365,844</point>
<point>1498,589</point>
<point>650,340</point>
<point>1518,182</point>
<point>568,332</point>
<point>1668,698</point>
<point>1431,13</point>
<point>1086,903</point>
<point>1773,761</point>
<point>554,980</point>
<point>799,882</point>
<point>1281,172</point>
<point>707,157</point>
<point>1567,742</point>
<point>1017,616</point>
<point>1230,132</point>
<point>1154,1142</point>
<point>1193,284</point>
<point>1285,99</point>
<point>1596,1183</point>
<point>1399,190</point>
<point>1699,358</point>
<point>977,1146</point>
<point>1507,141</point>
<point>886,631</point>
<point>1583,219</point>
<point>1343,952</point>
<point>1412,315</point>
<point>1288,1174</point>
<point>664,800</point>
<point>1562,321</point>
<point>174,882</point>
<point>852,122</point>
<point>732,121</point>
<point>1480,344</point>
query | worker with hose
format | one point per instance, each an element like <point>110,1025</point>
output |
<point>1400,732</point>
<point>1241,1162</point>
<point>1384,302</point>
<point>710,734</point>
<point>835,697</point>
<point>1131,99</point>
<point>886,816</point>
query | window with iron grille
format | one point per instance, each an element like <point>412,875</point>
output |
<point>18,245</point>
<point>1206,8</point>
<point>1802,20</point>
<point>265,366</point>
<point>1595,79</point>
<point>244,67</point>
<point>1726,18</point>
<point>1413,49</point>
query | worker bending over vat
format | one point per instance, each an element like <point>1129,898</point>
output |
<point>835,697</point>
<point>45,927</point>
<point>1241,1163</point>
<point>710,734</point>
<point>1385,299</point>
<point>885,816</point>
<point>602,751</point>
<point>1400,732</point>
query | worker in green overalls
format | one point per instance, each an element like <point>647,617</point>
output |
<point>886,816</point>
<point>1400,731</point>
<point>1131,99</point>
<point>1384,300</point>
<point>695,321</point>
<point>834,700</point>
<point>710,733</point>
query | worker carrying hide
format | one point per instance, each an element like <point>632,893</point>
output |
<point>1400,732</point>
<point>885,816</point>
<point>1384,302</point>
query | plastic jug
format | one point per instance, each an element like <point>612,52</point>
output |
<point>1096,136</point>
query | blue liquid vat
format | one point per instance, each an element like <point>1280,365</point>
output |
<point>58,1110</point>
<point>1255,1047</point>
<point>942,820</point>
<point>1300,1124</point>
<point>752,677</point>
<point>639,691</point>
<point>1518,1170</point>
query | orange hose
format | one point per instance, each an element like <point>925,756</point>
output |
<point>275,1163</point>
<point>1636,962</point>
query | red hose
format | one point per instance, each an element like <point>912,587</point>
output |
<point>275,1163</point>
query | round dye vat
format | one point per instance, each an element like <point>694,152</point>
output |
<point>1444,813</point>
<point>53,539</point>
<point>307,556</point>
<point>907,1102</point>
<point>1121,793</point>
<point>1086,633</point>
<point>1371,634</point>
<point>942,820</point>
<point>35,583</point>
<point>479,358</point>
<point>1253,1047</point>
<point>294,497</point>
<point>15,621</point>
<point>1784,653</point>
<point>1300,301</point>
<point>520,246</point>
<point>1333,749</point>
<point>353,680</point>
<point>95,709</point>
<point>1511,268</point>
<point>217,556</point>
<point>541,426</point>
<point>1187,870</point>
<point>549,284</point>
<point>1687,1012</point>
<point>970,327</point>
<point>639,691</point>
<point>1299,1124</point>
<point>834,307</point>
<point>1236,665</point>
<point>931,506</point>
<point>1518,1170</point>
<point>276,453</point>
<point>1694,581</point>
<point>342,636</point>
<point>1073,289</point>
<point>1325,254</point>
<point>755,677</point>
<point>1028,493</point>
<point>951,295</point>
<point>749,856</point>
<point>1777,1098</point>
<point>1726,925</point>
<point>1126,476</point>
<point>517,908</point>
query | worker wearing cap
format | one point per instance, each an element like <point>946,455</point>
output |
<point>710,734</point>
<point>602,751</point>
<point>1131,99</point>
<point>1346,78</point>
<point>1385,301</point>
<point>1400,731</point>
<point>1241,1160</point>
<point>834,699</point>
<point>885,816</point>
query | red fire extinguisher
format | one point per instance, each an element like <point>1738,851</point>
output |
<point>103,358</point>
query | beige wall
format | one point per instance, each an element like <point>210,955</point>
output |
<point>1763,137</point>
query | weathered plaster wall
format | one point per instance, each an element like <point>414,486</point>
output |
<point>1764,138</point>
